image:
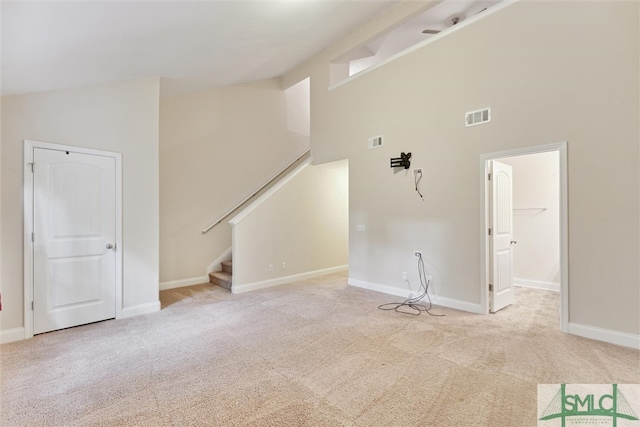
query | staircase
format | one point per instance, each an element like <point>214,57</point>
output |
<point>222,278</point>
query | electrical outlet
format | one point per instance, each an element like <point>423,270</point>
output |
<point>284,265</point>
<point>417,254</point>
<point>404,275</point>
<point>417,171</point>
<point>270,267</point>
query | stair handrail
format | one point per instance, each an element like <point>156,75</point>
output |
<point>273,178</point>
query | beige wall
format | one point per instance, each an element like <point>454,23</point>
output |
<point>299,108</point>
<point>120,117</point>
<point>303,223</point>
<point>216,148</point>
<point>536,219</point>
<point>1,240</point>
<point>566,83</point>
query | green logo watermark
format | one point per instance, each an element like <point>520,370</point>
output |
<point>588,404</point>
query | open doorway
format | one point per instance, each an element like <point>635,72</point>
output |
<point>536,220</point>
<point>537,256</point>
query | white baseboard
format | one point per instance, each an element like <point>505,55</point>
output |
<point>385,289</point>
<point>215,265</point>
<point>538,284</point>
<point>606,335</point>
<point>456,304</point>
<point>11,335</point>
<point>404,293</point>
<point>17,334</point>
<point>287,279</point>
<point>183,282</point>
<point>137,310</point>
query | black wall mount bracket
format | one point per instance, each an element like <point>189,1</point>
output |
<point>404,161</point>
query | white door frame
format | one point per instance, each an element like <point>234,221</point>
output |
<point>29,147</point>
<point>561,148</point>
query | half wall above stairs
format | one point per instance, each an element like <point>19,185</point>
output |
<point>297,229</point>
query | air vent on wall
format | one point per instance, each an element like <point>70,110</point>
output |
<point>375,142</point>
<point>478,117</point>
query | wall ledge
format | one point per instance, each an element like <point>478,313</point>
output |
<point>470,20</point>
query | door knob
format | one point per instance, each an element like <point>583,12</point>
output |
<point>110,246</point>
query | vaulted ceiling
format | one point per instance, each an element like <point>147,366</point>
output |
<point>193,45</point>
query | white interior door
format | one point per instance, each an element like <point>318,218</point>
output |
<point>501,237</point>
<point>74,214</point>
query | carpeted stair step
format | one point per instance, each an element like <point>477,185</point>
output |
<point>221,278</point>
<point>227,266</point>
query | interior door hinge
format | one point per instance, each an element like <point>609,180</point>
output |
<point>31,305</point>
<point>490,287</point>
<point>489,177</point>
<point>489,232</point>
<point>33,165</point>
<point>33,237</point>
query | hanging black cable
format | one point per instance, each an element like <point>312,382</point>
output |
<point>412,305</point>
<point>418,178</point>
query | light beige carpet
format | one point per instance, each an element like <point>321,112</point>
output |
<point>314,353</point>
